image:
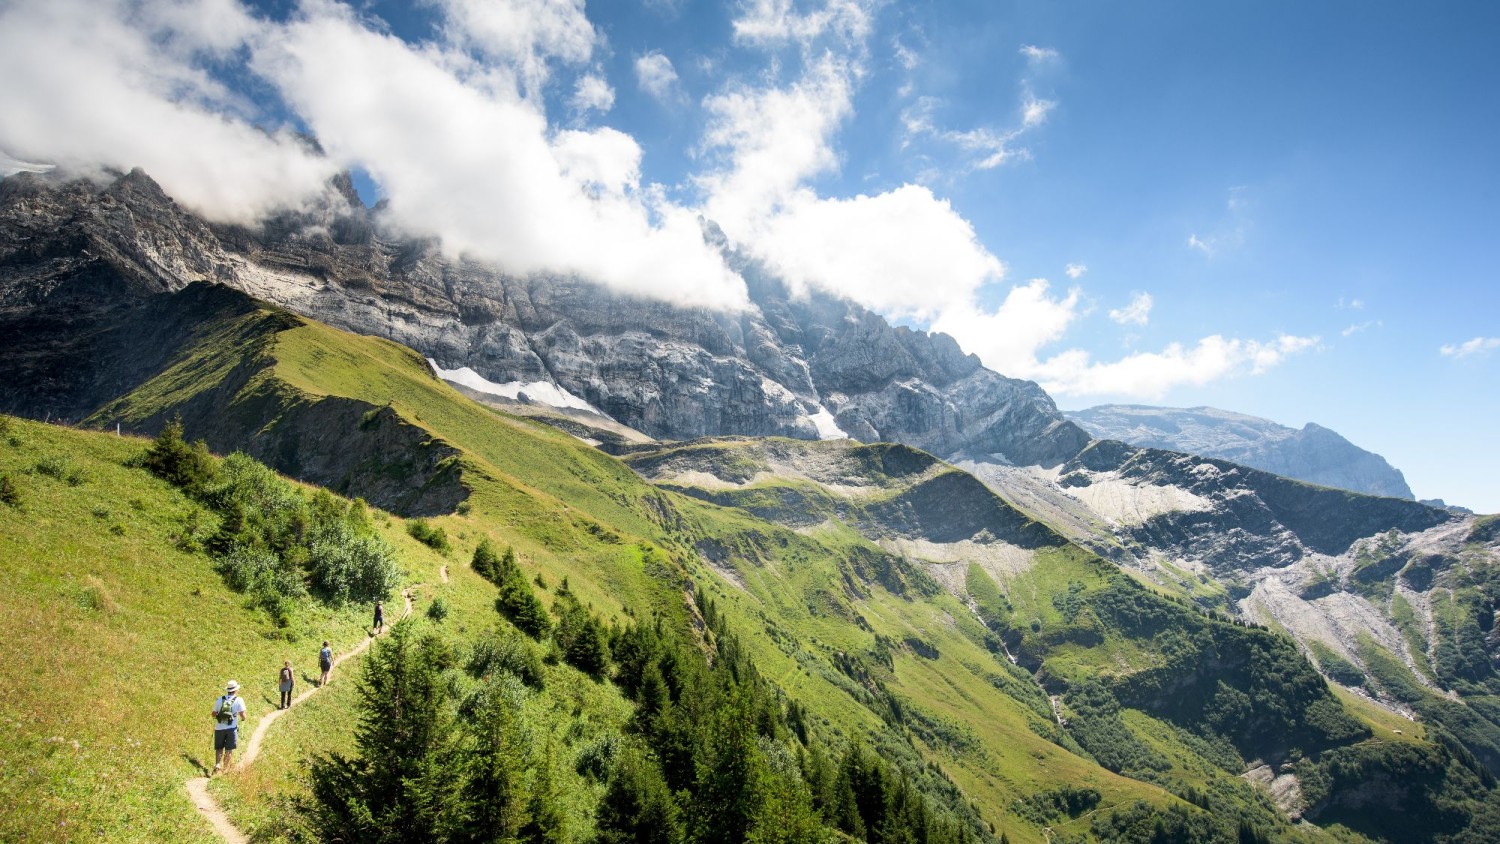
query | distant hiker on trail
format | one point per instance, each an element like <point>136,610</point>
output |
<point>379,618</point>
<point>286,684</point>
<point>325,662</point>
<point>229,711</point>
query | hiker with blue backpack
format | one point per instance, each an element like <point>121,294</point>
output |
<point>229,711</point>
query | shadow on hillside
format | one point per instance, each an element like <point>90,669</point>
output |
<point>193,760</point>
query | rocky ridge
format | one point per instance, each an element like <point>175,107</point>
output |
<point>1314,454</point>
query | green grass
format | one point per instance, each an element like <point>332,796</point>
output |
<point>842,626</point>
<point>117,644</point>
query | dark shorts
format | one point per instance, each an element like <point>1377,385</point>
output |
<point>326,666</point>
<point>226,739</point>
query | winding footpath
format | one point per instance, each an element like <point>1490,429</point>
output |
<point>197,787</point>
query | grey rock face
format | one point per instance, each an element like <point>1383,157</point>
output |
<point>1314,454</point>
<point>776,368</point>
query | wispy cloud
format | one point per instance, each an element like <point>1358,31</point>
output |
<point>989,147</point>
<point>656,75</point>
<point>1469,348</point>
<point>1138,312</point>
<point>1361,326</point>
<point>1075,270</point>
<point>1230,231</point>
<point>1039,55</point>
<point>1350,304</point>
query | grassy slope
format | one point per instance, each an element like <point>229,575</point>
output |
<point>573,512</point>
<point>530,484</point>
<point>956,686</point>
<point>119,642</point>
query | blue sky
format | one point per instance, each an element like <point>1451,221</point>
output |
<point>1279,208</point>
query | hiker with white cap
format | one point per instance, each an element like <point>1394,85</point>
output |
<point>229,711</point>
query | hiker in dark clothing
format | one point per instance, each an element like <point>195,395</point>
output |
<point>325,663</point>
<point>286,684</point>
<point>379,617</point>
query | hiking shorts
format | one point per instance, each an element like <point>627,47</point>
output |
<point>227,739</point>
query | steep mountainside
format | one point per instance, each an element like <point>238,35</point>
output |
<point>806,368</point>
<point>877,582</point>
<point>1314,454</point>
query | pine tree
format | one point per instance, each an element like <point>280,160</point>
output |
<point>495,792</point>
<point>637,808</point>
<point>729,771</point>
<point>405,783</point>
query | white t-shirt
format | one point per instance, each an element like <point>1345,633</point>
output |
<point>236,708</point>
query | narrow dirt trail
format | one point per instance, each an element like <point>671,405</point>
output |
<point>443,574</point>
<point>197,787</point>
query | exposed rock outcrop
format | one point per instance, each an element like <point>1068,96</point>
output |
<point>1314,454</point>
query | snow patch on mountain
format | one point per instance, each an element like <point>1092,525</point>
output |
<point>1122,502</point>
<point>828,429</point>
<point>540,392</point>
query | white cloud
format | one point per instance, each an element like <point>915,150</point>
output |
<point>1231,231</point>
<point>1476,346</point>
<point>109,84</point>
<point>903,253</point>
<point>519,35</point>
<point>656,76</point>
<point>1034,111</point>
<point>991,147</point>
<point>472,163</point>
<point>1075,270</point>
<point>1361,326</point>
<point>1010,340</point>
<point>1150,375</point>
<point>772,139</point>
<point>1138,312</point>
<point>1351,304</point>
<point>1038,55</point>
<point>775,22</point>
<point>593,93</point>
<point>905,56</point>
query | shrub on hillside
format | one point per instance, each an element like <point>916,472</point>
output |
<point>170,457</point>
<point>433,537</point>
<point>437,610</point>
<point>10,493</point>
<point>516,601</point>
<point>580,636</point>
<point>497,652</point>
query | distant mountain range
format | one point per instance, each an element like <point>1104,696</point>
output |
<point>1314,454</point>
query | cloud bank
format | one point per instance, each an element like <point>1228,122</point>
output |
<point>456,133</point>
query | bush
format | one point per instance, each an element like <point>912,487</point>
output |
<point>512,654</point>
<point>516,602</point>
<point>433,537</point>
<point>10,494</point>
<point>581,637</point>
<point>358,568</point>
<point>182,465</point>
<point>437,610</point>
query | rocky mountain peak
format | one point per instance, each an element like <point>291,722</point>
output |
<point>1314,453</point>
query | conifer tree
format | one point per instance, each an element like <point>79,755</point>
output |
<point>637,808</point>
